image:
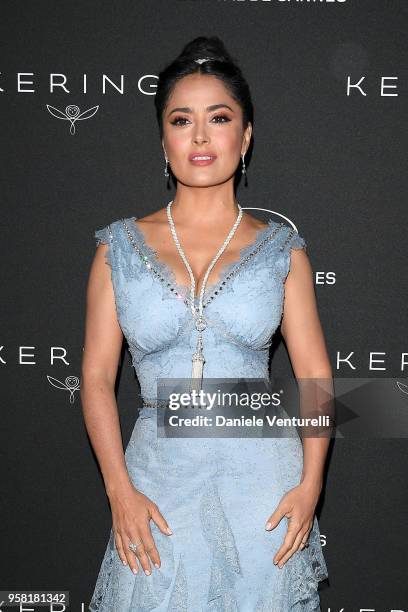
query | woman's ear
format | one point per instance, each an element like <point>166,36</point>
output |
<point>247,137</point>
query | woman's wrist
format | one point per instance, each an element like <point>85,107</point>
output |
<point>312,483</point>
<point>118,486</point>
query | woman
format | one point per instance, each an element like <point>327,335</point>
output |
<point>190,515</point>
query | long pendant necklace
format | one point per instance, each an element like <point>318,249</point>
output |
<point>197,311</point>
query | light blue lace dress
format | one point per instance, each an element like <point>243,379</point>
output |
<point>216,494</point>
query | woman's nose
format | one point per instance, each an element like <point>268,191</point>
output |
<point>200,133</point>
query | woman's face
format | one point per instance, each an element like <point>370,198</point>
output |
<point>192,127</point>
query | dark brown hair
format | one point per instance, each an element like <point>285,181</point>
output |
<point>222,65</point>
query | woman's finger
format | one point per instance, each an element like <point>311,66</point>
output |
<point>305,539</point>
<point>291,535</point>
<point>119,548</point>
<point>159,519</point>
<point>293,549</point>
<point>142,538</point>
<point>150,546</point>
<point>143,559</point>
<point>136,539</point>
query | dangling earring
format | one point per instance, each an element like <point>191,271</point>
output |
<point>244,169</point>
<point>167,173</point>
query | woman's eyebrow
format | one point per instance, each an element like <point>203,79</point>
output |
<point>187,109</point>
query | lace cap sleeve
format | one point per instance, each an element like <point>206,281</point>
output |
<point>291,240</point>
<point>105,236</point>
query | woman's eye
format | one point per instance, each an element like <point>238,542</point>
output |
<point>181,120</point>
<point>222,117</point>
<point>177,119</point>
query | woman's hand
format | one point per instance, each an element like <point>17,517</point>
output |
<point>298,505</point>
<point>131,514</point>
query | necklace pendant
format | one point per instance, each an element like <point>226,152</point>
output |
<point>197,373</point>
<point>200,324</point>
<point>197,366</point>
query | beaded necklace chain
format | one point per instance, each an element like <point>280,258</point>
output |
<point>198,359</point>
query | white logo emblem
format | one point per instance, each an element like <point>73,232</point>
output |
<point>72,114</point>
<point>70,384</point>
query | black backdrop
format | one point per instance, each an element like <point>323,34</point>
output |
<point>333,163</point>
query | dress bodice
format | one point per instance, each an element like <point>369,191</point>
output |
<point>243,309</point>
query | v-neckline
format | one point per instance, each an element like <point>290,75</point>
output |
<point>168,273</point>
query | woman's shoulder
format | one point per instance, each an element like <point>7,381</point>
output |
<point>278,238</point>
<point>280,234</point>
<point>117,234</point>
<point>121,237</point>
<point>288,239</point>
<point>113,231</point>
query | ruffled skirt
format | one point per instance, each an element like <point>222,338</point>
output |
<point>216,495</point>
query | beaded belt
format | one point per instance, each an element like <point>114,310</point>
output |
<point>154,403</point>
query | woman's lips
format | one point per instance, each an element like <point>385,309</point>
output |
<point>203,162</point>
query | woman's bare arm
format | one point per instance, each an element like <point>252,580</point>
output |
<point>306,346</point>
<point>132,510</point>
<point>304,339</point>
<point>102,346</point>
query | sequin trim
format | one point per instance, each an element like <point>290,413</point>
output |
<point>165,275</point>
<point>229,273</point>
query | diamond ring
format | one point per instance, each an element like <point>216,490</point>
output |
<point>133,547</point>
